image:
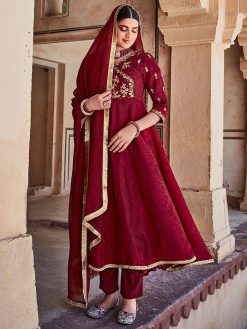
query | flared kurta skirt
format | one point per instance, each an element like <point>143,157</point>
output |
<point>147,224</point>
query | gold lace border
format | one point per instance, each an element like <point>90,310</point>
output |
<point>103,208</point>
<point>185,263</point>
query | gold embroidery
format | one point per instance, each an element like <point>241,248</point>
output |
<point>115,81</point>
<point>125,89</point>
<point>183,263</point>
<point>177,268</point>
<point>84,229</point>
<point>88,217</point>
<point>127,57</point>
<point>125,65</point>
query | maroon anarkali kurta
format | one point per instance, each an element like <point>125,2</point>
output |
<point>147,224</point>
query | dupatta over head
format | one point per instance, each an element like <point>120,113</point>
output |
<point>88,195</point>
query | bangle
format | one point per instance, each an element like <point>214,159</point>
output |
<point>137,127</point>
<point>84,111</point>
<point>158,113</point>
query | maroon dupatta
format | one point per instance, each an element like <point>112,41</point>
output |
<point>88,195</point>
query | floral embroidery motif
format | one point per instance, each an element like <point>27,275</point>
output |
<point>122,89</point>
<point>152,91</point>
<point>115,81</point>
<point>139,61</point>
<point>146,68</point>
<point>125,65</point>
<point>129,56</point>
<point>158,99</point>
<point>156,75</point>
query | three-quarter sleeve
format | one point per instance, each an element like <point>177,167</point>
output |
<point>155,86</point>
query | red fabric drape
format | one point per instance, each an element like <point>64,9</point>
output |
<point>146,215</point>
<point>94,77</point>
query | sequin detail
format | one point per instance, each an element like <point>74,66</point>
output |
<point>126,317</point>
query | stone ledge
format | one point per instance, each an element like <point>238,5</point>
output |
<point>164,301</point>
<point>182,307</point>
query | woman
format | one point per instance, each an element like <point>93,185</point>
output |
<point>126,209</point>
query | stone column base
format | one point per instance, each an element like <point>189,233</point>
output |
<point>210,212</point>
<point>18,303</point>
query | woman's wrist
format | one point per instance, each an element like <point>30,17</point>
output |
<point>85,109</point>
<point>137,127</point>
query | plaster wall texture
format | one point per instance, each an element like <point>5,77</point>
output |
<point>71,55</point>
<point>15,86</point>
<point>234,123</point>
<point>18,306</point>
<point>190,127</point>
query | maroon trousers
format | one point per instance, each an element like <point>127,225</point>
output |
<point>131,282</point>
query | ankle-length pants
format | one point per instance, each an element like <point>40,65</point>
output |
<point>131,282</point>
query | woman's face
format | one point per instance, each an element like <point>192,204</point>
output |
<point>127,31</point>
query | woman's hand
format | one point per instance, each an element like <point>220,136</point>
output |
<point>122,138</point>
<point>98,101</point>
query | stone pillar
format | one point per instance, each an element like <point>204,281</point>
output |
<point>18,304</point>
<point>242,39</point>
<point>199,32</point>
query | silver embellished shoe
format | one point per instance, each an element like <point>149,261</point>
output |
<point>126,317</point>
<point>98,312</point>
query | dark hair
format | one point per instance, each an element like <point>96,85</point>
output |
<point>127,12</point>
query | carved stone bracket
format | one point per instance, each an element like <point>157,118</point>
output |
<point>184,7</point>
<point>193,21</point>
<point>186,22</point>
<point>242,39</point>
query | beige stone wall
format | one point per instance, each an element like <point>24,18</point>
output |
<point>86,13</point>
<point>18,306</point>
<point>234,123</point>
<point>81,13</point>
<point>71,55</point>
